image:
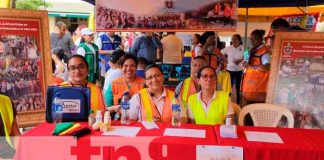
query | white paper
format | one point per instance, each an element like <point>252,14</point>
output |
<point>208,152</point>
<point>150,125</point>
<point>269,137</point>
<point>228,131</point>
<point>195,133</point>
<point>122,131</point>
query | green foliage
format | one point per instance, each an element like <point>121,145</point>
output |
<point>31,4</point>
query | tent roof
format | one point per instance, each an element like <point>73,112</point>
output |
<point>278,3</point>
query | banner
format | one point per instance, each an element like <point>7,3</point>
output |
<point>297,77</point>
<point>23,74</point>
<point>166,15</point>
<point>306,21</point>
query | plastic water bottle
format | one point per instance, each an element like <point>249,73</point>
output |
<point>57,109</point>
<point>176,110</point>
<point>125,108</point>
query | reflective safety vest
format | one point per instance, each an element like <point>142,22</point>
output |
<point>119,86</point>
<point>216,113</point>
<point>107,44</point>
<point>96,97</point>
<point>7,116</point>
<point>212,59</point>
<point>149,110</point>
<point>188,88</point>
<point>193,52</point>
<point>92,60</point>
<point>256,80</point>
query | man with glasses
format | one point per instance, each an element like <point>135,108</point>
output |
<point>190,85</point>
<point>209,106</point>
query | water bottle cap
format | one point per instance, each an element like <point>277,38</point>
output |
<point>91,111</point>
<point>176,96</point>
<point>126,93</point>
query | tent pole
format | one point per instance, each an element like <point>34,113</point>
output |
<point>246,25</point>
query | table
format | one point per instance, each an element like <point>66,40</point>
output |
<point>298,144</point>
<point>148,144</point>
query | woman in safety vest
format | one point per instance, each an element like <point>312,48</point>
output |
<point>153,103</point>
<point>90,51</point>
<point>78,72</point>
<point>129,82</point>
<point>257,65</point>
<point>8,127</point>
<point>209,106</point>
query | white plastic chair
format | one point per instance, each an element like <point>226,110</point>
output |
<point>266,115</point>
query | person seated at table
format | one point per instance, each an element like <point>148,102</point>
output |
<point>142,63</point>
<point>153,103</point>
<point>8,127</point>
<point>78,72</point>
<point>129,82</point>
<point>190,85</point>
<point>209,106</point>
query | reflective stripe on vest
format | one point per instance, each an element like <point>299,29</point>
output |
<point>255,59</point>
<point>7,116</point>
<point>149,110</point>
<point>188,88</point>
<point>119,86</point>
<point>216,113</point>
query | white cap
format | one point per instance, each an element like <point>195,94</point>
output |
<point>86,31</point>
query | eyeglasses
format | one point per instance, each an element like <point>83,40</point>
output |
<point>211,77</point>
<point>156,76</point>
<point>79,67</point>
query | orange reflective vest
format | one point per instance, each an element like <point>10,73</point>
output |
<point>212,59</point>
<point>188,88</point>
<point>7,116</point>
<point>149,109</point>
<point>96,97</point>
<point>216,113</point>
<point>119,86</point>
<point>256,80</point>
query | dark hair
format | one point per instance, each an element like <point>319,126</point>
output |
<point>142,60</point>
<point>259,33</point>
<point>198,37</point>
<point>59,24</point>
<point>78,56</point>
<point>152,66</point>
<point>205,35</point>
<point>129,56</point>
<point>53,66</point>
<point>199,57</point>
<point>280,22</point>
<point>203,68</point>
<point>60,54</point>
<point>238,37</point>
<point>117,56</point>
<point>82,40</point>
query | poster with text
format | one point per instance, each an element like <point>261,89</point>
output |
<point>299,77</point>
<point>166,15</point>
<point>22,62</point>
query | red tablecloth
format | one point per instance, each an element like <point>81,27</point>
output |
<point>298,144</point>
<point>148,144</point>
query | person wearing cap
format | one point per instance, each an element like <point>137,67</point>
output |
<point>153,103</point>
<point>129,82</point>
<point>115,68</point>
<point>209,106</point>
<point>89,50</point>
<point>61,40</point>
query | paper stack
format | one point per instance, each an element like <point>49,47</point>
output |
<point>228,131</point>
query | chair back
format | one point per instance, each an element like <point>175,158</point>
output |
<point>266,115</point>
<point>237,110</point>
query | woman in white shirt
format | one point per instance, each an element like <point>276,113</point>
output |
<point>234,67</point>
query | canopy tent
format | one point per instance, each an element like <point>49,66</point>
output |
<point>276,11</point>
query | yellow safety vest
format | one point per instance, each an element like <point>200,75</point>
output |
<point>149,110</point>
<point>216,113</point>
<point>188,88</point>
<point>7,116</point>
